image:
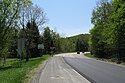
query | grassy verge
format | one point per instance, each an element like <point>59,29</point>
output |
<point>13,73</point>
<point>92,56</point>
<point>89,55</point>
<point>112,60</point>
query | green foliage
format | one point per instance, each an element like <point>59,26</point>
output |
<point>47,39</point>
<point>81,45</point>
<point>75,43</point>
<point>32,17</point>
<point>12,73</point>
<point>56,41</point>
<point>67,45</point>
<point>50,39</point>
<point>9,16</point>
<point>118,27</point>
<point>31,34</point>
<point>107,37</point>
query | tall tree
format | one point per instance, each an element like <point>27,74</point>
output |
<point>118,28</point>
<point>47,39</point>
<point>100,18</point>
<point>32,13</point>
<point>9,16</point>
<point>107,37</point>
<point>33,38</point>
<point>56,41</point>
<point>33,18</point>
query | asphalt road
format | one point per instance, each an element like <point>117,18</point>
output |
<point>96,71</point>
<point>57,70</point>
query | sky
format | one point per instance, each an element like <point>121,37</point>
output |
<point>68,17</point>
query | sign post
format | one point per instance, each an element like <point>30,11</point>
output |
<point>21,45</point>
<point>41,48</point>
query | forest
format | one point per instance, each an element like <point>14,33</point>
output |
<point>107,37</point>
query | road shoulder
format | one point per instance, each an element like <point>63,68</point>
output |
<point>58,71</point>
<point>35,73</point>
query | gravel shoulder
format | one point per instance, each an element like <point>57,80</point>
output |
<point>56,70</point>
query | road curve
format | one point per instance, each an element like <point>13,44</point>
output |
<point>57,71</point>
<point>96,71</point>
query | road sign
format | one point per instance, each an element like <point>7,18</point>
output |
<point>21,45</point>
<point>40,46</point>
<point>52,48</point>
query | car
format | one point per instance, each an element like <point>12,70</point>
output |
<point>78,52</point>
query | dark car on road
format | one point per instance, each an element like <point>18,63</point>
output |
<point>78,52</point>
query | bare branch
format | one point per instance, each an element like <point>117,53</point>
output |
<point>35,13</point>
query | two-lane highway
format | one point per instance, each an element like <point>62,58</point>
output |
<point>96,71</point>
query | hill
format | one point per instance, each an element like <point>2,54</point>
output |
<point>74,43</point>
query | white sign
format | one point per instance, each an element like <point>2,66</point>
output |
<point>52,48</point>
<point>21,45</point>
<point>40,46</point>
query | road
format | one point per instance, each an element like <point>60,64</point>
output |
<point>96,71</point>
<point>57,70</point>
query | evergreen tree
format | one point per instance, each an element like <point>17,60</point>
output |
<point>47,40</point>
<point>32,32</point>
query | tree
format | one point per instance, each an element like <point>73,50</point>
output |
<point>47,39</point>
<point>107,38</point>
<point>32,13</point>
<point>78,45</point>
<point>74,43</point>
<point>81,45</point>
<point>98,38</point>
<point>51,41</point>
<point>33,18</point>
<point>9,15</point>
<point>33,38</point>
<point>56,41</point>
<point>118,27</point>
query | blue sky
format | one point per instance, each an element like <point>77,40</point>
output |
<point>68,17</point>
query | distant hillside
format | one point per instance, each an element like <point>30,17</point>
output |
<point>85,37</point>
<point>68,44</point>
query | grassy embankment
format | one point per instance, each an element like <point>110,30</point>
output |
<point>112,60</point>
<point>12,72</point>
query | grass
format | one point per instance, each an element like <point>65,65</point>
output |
<point>89,55</point>
<point>12,72</point>
<point>113,60</point>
